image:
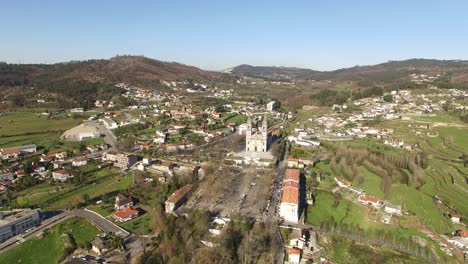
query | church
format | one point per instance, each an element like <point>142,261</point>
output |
<point>256,137</point>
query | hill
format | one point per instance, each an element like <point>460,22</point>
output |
<point>384,72</point>
<point>78,83</point>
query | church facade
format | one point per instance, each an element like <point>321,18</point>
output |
<point>256,137</point>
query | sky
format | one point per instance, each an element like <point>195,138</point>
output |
<point>215,35</point>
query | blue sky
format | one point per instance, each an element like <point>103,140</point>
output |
<point>220,34</point>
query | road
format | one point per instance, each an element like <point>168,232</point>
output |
<point>133,243</point>
<point>109,137</point>
<point>273,208</point>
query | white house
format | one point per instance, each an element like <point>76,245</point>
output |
<point>80,161</point>
<point>294,255</point>
<point>289,206</point>
<point>392,209</point>
<point>61,175</point>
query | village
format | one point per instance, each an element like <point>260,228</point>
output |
<point>275,166</point>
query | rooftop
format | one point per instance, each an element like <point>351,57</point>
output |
<point>179,194</point>
<point>125,213</point>
<point>11,216</point>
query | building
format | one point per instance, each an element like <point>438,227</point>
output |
<point>294,255</point>
<point>289,206</point>
<point>101,245</point>
<point>298,238</point>
<point>121,160</point>
<point>392,209</point>
<point>122,202</point>
<point>455,218</point>
<point>272,105</point>
<point>80,161</point>
<point>177,198</point>
<point>61,175</point>
<point>256,138</point>
<point>81,132</point>
<point>125,214</point>
<point>342,183</point>
<point>369,200</point>
<point>15,222</point>
<point>13,152</point>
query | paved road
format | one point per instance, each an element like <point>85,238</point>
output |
<point>275,197</point>
<point>109,137</point>
<point>100,222</point>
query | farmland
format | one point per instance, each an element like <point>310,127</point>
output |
<point>18,128</point>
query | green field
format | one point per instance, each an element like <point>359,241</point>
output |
<point>140,225</point>
<point>18,128</point>
<point>98,183</point>
<point>346,212</point>
<point>49,248</point>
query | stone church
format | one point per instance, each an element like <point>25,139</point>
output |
<point>256,137</point>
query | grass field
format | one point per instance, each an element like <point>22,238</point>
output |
<point>348,251</point>
<point>345,213</point>
<point>18,128</point>
<point>48,248</point>
<point>140,225</point>
<point>98,183</point>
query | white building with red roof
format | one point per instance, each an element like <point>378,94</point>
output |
<point>370,200</point>
<point>125,214</point>
<point>289,206</point>
<point>342,183</point>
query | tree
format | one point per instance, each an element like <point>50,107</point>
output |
<point>388,97</point>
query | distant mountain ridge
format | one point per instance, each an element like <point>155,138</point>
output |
<point>457,68</point>
<point>137,70</point>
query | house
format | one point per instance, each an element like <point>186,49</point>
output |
<point>164,167</point>
<point>272,105</point>
<point>3,188</point>
<point>455,218</point>
<point>122,202</point>
<point>11,153</point>
<point>80,161</point>
<point>177,198</point>
<point>292,162</point>
<point>298,238</point>
<point>342,183</point>
<point>289,206</point>
<point>369,200</point>
<point>294,255</point>
<point>61,175</point>
<point>392,209</point>
<point>125,214</point>
<point>20,173</point>
<point>101,245</point>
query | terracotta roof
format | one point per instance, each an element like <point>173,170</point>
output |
<point>343,182</point>
<point>291,184</point>
<point>292,175</point>
<point>20,172</point>
<point>290,195</point>
<point>81,158</point>
<point>10,151</point>
<point>125,213</point>
<point>177,195</point>
<point>294,251</point>
<point>368,198</point>
<point>61,171</point>
<point>464,233</point>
